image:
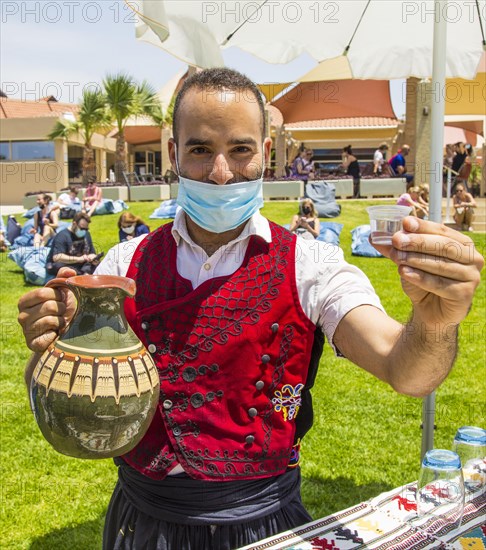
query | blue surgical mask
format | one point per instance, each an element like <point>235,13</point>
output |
<point>80,233</point>
<point>219,208</point>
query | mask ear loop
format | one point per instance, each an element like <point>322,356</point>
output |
<point>178,173</point>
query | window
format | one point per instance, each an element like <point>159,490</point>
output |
<point>32,150</point>
<point>4,150</point>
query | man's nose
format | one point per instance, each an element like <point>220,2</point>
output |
<point>220,173</point>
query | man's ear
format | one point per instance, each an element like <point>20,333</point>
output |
<point>172,153</point>
<point>267,148</point>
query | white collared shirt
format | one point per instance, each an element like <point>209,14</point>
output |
<point>328,287</point>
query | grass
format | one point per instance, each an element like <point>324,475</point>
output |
<point>365,439</point>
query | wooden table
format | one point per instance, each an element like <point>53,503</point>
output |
<point>388,521</point>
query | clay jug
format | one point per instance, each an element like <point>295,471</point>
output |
<point>95,390</point>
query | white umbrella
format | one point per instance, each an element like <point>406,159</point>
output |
<point>352,38</point>
<point>394,39</point>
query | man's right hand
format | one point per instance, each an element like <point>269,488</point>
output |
<point>46,311</point>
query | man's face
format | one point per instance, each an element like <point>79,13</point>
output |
<point>82,224</point>
<point>40,201</point>
<point>220,138</point>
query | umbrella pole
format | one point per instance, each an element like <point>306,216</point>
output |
<point>448,218</point>
<point>435,171</point>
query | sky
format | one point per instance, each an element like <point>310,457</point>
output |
<point>59,47</point>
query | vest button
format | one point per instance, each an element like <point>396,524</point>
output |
<point>197,400</point>
<point>167,404</point>
<point>274,327</point>
<point>266,358</point>
<point>189,374</point>
<point>259,385</point>
<point>144,325</point>
<point>250,439</point>
<point>176,431</point>
<point>252,412</point>
<point>207,267</point>
<point>152,348</point>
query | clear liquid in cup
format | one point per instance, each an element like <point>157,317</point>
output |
<point>385,221</point>
<point>382,231</point>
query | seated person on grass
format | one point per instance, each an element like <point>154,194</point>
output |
<point>412,199</point>
<point>306,223</point>
<point>46,220</point>
<point>69,202</point>
<point>92,197</point>
<point>131,226</point>
<point>73,247</point>
<point>464,205</point>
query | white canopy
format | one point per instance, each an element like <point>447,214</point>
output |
<point>393,40</point>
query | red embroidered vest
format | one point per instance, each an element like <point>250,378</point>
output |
<point>232,356</point>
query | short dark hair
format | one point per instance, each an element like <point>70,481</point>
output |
<point>217,79</point>
<point>81,216</point>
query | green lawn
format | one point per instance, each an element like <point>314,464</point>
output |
<point>365,439</point>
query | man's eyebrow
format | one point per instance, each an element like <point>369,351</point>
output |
<point>235,141</point>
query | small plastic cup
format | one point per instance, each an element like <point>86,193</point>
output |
<point>440,491</point>
<point>385,221</point>
<point>470,444</point>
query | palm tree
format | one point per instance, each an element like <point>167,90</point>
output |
<point>125,98</point>
<point>92,117</point>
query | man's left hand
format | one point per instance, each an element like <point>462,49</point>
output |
<point>439,267</point>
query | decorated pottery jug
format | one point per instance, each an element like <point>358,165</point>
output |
<point>95,390</point>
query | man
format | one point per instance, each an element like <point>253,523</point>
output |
<point>92,197</point>
<point>233,309</point>
<point>379,159</point>
<point>464,205</point>
<point>73,247</point>
<point>69,203</point>
<point>46,220</point>
<point>398,164</point>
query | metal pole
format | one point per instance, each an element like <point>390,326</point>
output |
<point>448,203</point>
<point>435,171</point>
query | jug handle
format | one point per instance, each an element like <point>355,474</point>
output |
<point>61,283</point>
<point>56,283</point>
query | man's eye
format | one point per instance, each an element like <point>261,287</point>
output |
<point>242,149</point>
<point>199,151</point>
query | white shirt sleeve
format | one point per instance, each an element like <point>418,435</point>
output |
<point>328,286</point>
<point>118,259</point>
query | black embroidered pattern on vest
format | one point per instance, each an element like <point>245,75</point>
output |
<point>184,329</point>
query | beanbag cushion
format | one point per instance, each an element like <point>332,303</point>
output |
<point>109,206</point>
<point>323,195</point>
<point>360,245</point>
<point>167,209</point>
<point>330,232</point>
<point>33,261</point>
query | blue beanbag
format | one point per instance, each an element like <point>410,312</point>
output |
<point>167,209</point>
<point>330,232</point>
<point>30,213</point>
<point>109,206</point>
<point>33,261</point>
<point>360,245</point>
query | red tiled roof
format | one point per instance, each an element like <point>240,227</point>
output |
<point>18,108</point>
<point>343,123</point>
